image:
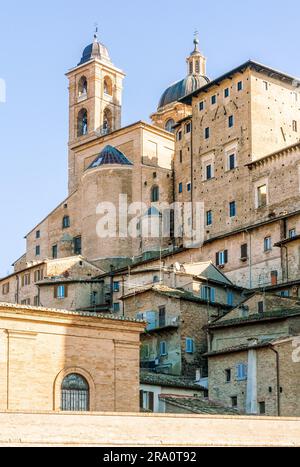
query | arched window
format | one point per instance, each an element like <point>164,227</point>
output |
<point>82,122</point>
<point>169,125</point>
<point>107,121</point>
<point>75,393</point>
<point>82,86</point>
<point>66,222</point>
<point>107,86</point>
<point>154,194</point>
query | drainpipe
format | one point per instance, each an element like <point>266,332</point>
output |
<point>111,285</point>
<point>250,258</point>
<point>18,288</point>
<point>286,261</point>
<point>277,377</point>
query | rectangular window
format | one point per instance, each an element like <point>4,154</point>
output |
<point>163,349</point>
<point>292,233</point>
<point>234,401</point>
<point>116,307</point>
<point>208,293</point>
<point>262,408</point>
<point>37,275</point>
<point>26,279</point>
<point>265,85</point>
<point>229,298</point>
<point>37,250</point>
<point>162,316</point>
<point>209,218</point>
<point>116,286</point>
<point>241,372</point>
<point>284,293</point>
<point>77,245</point>
<point>295,125</point>
<point>147,400</point>
<point>213,100</point>
<point>37,234</point>
<point>226,93</point>
<point>274,277</point>
<point>189,345</point>
<point>262,196</point>
<point>268,244</point>
<point>189,186</point>
<point>231,162</point>
<point>188,127</point>
<point>260,307</point>
<point>230,121</point>
<point>228,375</point>
<point>222,258</point>
<point>206,133</point>
<point>180,188</point>
<point>240,86</point>
<point>208,172</point>
<point>201,106</point>
<point>244,251</point>
<point>232,209</point>
<point>5,288</point>
<point>180,156</point>
<point>61,291</point>
<point>54,251</point>
<point>36,300</point>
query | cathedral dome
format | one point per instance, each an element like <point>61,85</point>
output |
<point>181,88</point>
<point>95,50</point>
<point>195,79</point>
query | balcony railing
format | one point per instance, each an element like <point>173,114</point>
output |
<point>157,324</point>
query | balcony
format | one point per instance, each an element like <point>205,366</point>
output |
<point>168,323</point>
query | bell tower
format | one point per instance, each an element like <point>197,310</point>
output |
<point>95,100</point>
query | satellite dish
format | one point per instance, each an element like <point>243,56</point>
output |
<point>177,266</point>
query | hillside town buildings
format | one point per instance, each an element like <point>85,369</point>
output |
<point>221,313</point>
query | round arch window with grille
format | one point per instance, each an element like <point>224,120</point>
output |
<point>75,393</point>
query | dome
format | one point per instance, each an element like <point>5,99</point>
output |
<point>108,156</point>
<point>94,50</point>
<point>181,88</point>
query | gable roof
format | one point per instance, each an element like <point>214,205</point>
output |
<point>197,405</point>
<point>179,294</point>
<point>161,379</point>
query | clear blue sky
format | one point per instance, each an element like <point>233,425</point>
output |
<point>40,41</point>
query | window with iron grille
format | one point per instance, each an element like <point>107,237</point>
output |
<point>75,393</point>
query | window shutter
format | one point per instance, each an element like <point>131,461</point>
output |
<point>66,291</point>
<point>141,399</point>
<point>225,256</point>
<point>217,259</point>
<point>212,294</point>
<point>151,401</point>
<point>55,291</point>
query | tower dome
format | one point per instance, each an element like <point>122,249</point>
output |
<point>95,50</point>
<point>195,79</point>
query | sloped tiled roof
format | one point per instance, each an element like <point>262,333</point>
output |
<point>160,379</point>
<point>110,156</point>
<point>266,316</point>
<point>197,405</point>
